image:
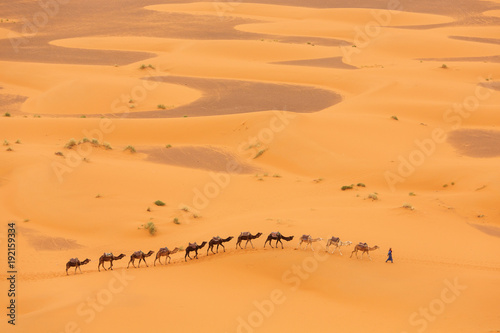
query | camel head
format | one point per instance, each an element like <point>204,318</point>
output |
<point>347,243</point>
<point>258,235</point>
<point>120,256</point>
<point>174,250</point>
<point>86,261</point>
<point>149,253</point>
<point>229,238</point>
<point>375,247</point>
<point>202,245</point>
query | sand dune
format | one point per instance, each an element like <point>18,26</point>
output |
<point>261,117</point>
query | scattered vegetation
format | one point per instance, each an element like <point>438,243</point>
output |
<point>59,153</point>
<point>161,106</point>
<point>83,116</point>
<point>373,196</point>
<point>168,146</point>
<point>176,221</point>
<point>360,185</point>
<point>144,66</point>
<point>411,194</point>
<point>150,226</point>
<point>95,142</point>
<point>71,143</point>
<point>98,196</point>
<point>276,175</point>
<point>148,210</point>
<point>5,142</point>
<point>6,114</point>
<point>85,140</point>
<point>408,206</point>
<point>395,117</point>
<point>347,187</point>
<point>10,149</point>
<point>444,66</point>
<point>185,209</point>
<point>107,146</point>
<point>318,180</point>
<point>130,148</point>
<point>159,203</point>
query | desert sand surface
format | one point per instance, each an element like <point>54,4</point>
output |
<point>373,121</point>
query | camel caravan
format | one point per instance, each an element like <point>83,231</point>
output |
<point>333,242</point>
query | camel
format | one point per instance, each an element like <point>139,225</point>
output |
<point>164,251</point>
<point>74,262</point>
<point>193,247</point>
<point>141,256</point>
<point>108,257</point>
<point>363,247</point>
<point>337,243</point>
<point>218,241</point>
<point>278,237</point>
<point>308,240</point>
<point>248,237</point>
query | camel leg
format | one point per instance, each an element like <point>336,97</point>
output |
<point>80,269</point>
<point>196,254</point>
<point>187,255</point>
<point>208,249</point>
<point>339,250</point>
<point>251,244</point>
<point>352,253</point>
<point>280,242</point>
<point>265,243</point>
<point>222,247</point>
<point>168,259</point>
<point>110,266</point>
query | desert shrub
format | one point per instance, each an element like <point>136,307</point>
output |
<point>130,148</point>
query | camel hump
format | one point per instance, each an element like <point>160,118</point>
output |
<point>137,253</point>
<point>245,233</point>
<point>108,254</point>
<point>335,239</point>
<point>275,234</point>
<point>73,260</point>
<point>305,237</point>
<point>217,238</point>
<point>193,244</point>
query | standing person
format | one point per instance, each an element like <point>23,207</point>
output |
<point>389,256</point>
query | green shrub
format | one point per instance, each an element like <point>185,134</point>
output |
<point>130,148</point>
<point>159,203</point>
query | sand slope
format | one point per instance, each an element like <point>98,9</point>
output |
<point>252,117</point>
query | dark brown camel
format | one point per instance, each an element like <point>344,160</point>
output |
<point>108,257</point>
<point>193,247</point>
<point>364,248</point>
<point>277,236</point>
<point>248,237</point>
<point>141,256</point>
<point>74,262</point>
<point>218,241</point>
<point>164,251</point>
